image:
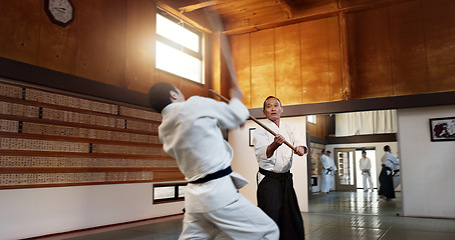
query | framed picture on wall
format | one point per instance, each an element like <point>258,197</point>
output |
<point>251,138</point>
<point>442,129</point>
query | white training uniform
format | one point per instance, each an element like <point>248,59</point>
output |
<point>365,164</point>
<point>190,132</point>
<point>281,160</point>
<point>327,177</point>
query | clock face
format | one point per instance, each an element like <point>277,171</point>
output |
<point>60,11</point>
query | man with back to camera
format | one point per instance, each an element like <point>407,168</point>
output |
<point>191,133</point>
<point>275,193</point>
<point>390,164</point>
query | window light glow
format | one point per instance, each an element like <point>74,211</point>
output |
<point>177,33</point>
<point>177,62</point>
<point>311,119</point>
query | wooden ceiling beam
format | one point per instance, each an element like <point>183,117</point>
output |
<point>289,10</point>
<point>200,5</point>
<point>311,17</point>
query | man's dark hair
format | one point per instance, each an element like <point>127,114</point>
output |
<point>386,148</point>
<point>159,95</point>
<point>263,105</point>
<point>363,151</point>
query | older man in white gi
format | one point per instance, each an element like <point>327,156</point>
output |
<point>190,132</point>
<point>275,194</point>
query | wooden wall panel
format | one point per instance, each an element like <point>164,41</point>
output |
<point>440,34</point>
<point>91,56</point>
<point>140,45</point>
<point>335,86</point>
<point>50,139</point>
<point>409,66</point>
<point>262,66</point>
<point>116,42</point>
<point>287,64</point>
<point>58,45</point>
<point>315,63</point>
<point>319,129</point>
<point>370,52</point>
<point>19,30</point>
<point>351,3</point>
<point>240,47</point>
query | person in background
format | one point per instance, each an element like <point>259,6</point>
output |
<point>275,193</point>
<point>328,169</point>
<point>365,167</point>
<point>390,164</point>
<point>191,133</point>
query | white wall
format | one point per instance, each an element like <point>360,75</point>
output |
<point>245,163</point>
<point>41,211</point>
<point>428,168</point>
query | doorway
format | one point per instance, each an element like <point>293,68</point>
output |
<point>349,177</point>
<point>345,178</point>
<point>371,154</point>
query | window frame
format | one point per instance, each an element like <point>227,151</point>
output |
<point>176,197</point>
<point>198,55</point>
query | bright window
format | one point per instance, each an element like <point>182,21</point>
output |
<point>163,193</point>
<point>178,48</point>
<point>311,119</point>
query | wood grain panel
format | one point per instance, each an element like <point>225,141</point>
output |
<point>410,75</point>
<point>240,47</point>
<point>19,29</point>
<point>91,33</point>
<point>140,45</point>
<point>114,68</point>
<point>50,138</point>
<point>58,45</point>
<point>315,62</point>
<point>440,34</point>
<point>262,66</point>
<point>320,128</point>
<point>287,64</point>
<point>168,175</point>
<point>350,3</point>
<point>335,63</point>
<point>370,51</point>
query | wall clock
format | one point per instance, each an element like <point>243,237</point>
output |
<point>61,12</point>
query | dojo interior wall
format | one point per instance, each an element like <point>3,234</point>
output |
<point>427,167</point>
<point>36,212</point>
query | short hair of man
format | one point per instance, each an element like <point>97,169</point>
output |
<point>263,105</point>
<point>159,95</point>
<point>386,148</point>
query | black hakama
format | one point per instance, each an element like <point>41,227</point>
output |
<point>386,188</point>
<point>277,198</point>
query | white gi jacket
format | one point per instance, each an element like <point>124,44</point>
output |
<point>190,132</point>
<point>390,161</point>
<point>364,164</point>
<point>281,160</point>
<point>327,162</point>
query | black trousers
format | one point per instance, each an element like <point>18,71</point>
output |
<point>277,198</point>
<point>386,180</point>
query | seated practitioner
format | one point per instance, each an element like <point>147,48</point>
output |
<point>191,133</point>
